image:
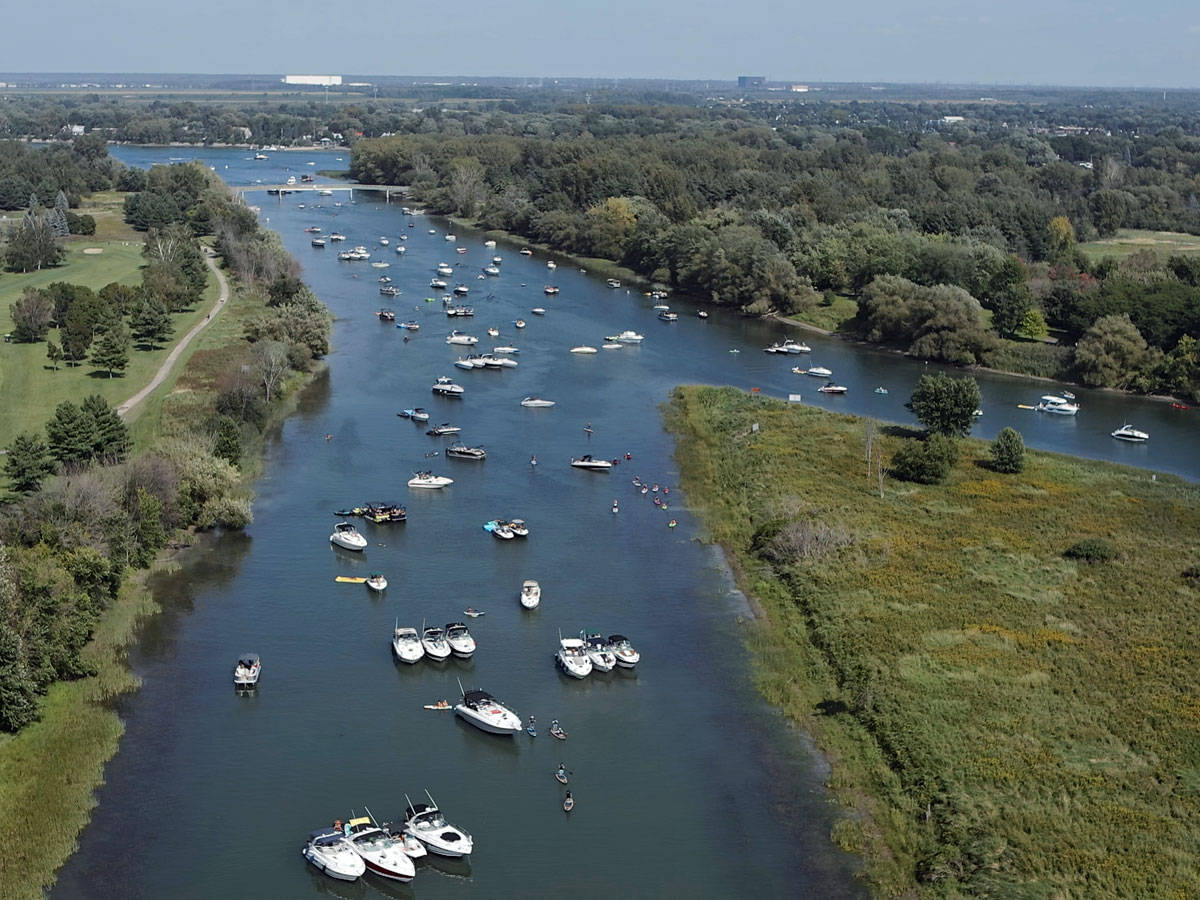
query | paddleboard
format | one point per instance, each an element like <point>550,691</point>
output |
<point>1025,406</point>
<point>349,579</point>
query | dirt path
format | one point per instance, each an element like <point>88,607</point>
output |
<point>165,369</point>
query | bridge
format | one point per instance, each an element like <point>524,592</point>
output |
<point>240,190</point>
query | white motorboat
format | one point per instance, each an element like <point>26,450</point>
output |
<point>425,822</point>
<point>1059,406</point>
<point>525,251</point>
<point>401,249</point>
<point>463,340</point>
<point>613,283</point>
<point>531,594</point>
<point>489,244</point>
<point>626,337</point>
<point>660,307</point>
<point>443,429</point>
<point>611,346</point>
<point>462,451</point>
<point>445,269</point>
<point>491,270</point>
<point>508,351</point>
<point>429,480</point>
<point>817,371</point>
<point>247,670</point>
<point>347,537</point>
<point>500,362</point>
<point>384,241</point>
<point>583,349</point>
<point>518,527</point>
<point>337,236</point>
<point>551,264</point>
<point>412,847</point>
<point>518,323</point>
<point>377,582</point>
<point>461,289</point>
<point>458,636</point>
<point>832,388</point>
<point>499,530</point>
<point>603,659</point>
<point>332,854</point>
<point>416,413</point>
<point>381,853</point>
<point>538,310</point>
<point>488,714</point>
<point>1128,433</point>
<point>587,461</point>
<point>550,290</point>
<point>433,640</point>
<point>537,403</point>
<point>447,388</point>
<point>572,658</point>
<point>496,260</point>
<point>406,644</point>
<point>626,656</point>
<point>437,284</point>
<point>668,316</point>
<point>493,332</point>
<point>464,363</point>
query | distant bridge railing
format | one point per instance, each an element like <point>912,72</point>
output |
<point>401,190</point>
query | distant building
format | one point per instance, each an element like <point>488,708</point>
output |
<point>76,130</point>
<point>751,81</point>
<point>800,88</point>
<point>951,120</point>
<point>317,80</point>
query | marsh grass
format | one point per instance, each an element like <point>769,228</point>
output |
<point>1001,720</point>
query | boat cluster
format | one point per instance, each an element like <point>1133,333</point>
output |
<point>436,644</point>
<point>376,512</point>
<point>508,529</point>
<point>358,254</point>
<point>592,652</point>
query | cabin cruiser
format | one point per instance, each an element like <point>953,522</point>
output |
<point>815,371</point>
<point>461,289</point>
<point>626,337</point>
<point>583,348</point>
<point>550,290</point>
<point>603,659</point>
<point>437,284</point>
<point>425,822</point>
<point>572,658</point>
<point>406,644</point>
<point>587,461</point>
<point>447,388</point>
<point>626,656</point>
<point>499,530</point>
<point>377,582</point>
<point>429,480</point>
<point>668,316</point>
<point>832,388</point>
<point>332,854</point>
<point>381,853</point>
<point>416,413</point>
<point>462,451</point>
<point>488,714</point>
<point>1059,406</point>
<point>459,638</point>
<point>505,350</point>
<point>537,403</point>
<point>788,346</point>
<point>531,594</point>
<point>444,428</point>
<point>383,241</point>
<point>433,640</point>
<point>465,363</point>
<point>347,537</point>
<point>1128,433</point>
<point>464,340</point>
<point>247,670</point>
<point>613,283</point>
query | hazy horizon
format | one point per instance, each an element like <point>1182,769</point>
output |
<point>1061,44</point>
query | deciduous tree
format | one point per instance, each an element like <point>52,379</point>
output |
<point>1008,451</point>
<point>31,314</point>
<point>1110,353</point>
<point>946,405</point>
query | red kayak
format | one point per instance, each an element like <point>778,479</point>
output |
<point>1179,406</point>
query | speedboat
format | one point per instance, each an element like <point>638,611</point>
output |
<point>603,659</point>
<point>332,854</point>
<point>445,269</point>
<point>611,346</point>
<point>505,350</point>
<point>551,264</point>
<point>518,323</point>
<point>406,644</point>
<point>817,371</point>
<point>401,249</point>
<point>1059,406</point>
<point>790,346</point>
<point>588,461</point>
<point>550,290</point>
<point>464,363</point>
<point>444,428</point>
<point>499,530</point>
<point>496,260</point>
<point>247,670</point>
<point>411,325</point>
<point>433,640</point>
<point>437,284</point>
<point>384,241</point>
<point>668,316</point>
<point>613,283</point>
<point>318,242</point>
<point>461,289</point>
<point>429,480</point>
<point>626,337</point>
<point>493,332</point>
<point>377,582</point>
<point>459,638</point>
<point>525,251</point>
<point>832,388</point>
<point>537,403</point>
<point>572,658</point>
<point>626,656</point>
<point>451,237</point>
<point>531,594</point>
<point>518,527</point>
<point>538,310</point>
<point>425,822</point>
<point>583,349</point>
<point>501,362</point>
<point>416,413</point>
<point>881,390</point>
<point>487,713</point>
<point>489,244</point>
<point>337,236</point>
<point>1128,433</point>
<point>347,537</point>
<point>465,340</point>
<point>447,388</point>
<point>380,852</point>
<point>462,451</point>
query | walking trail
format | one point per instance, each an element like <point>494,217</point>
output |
<point>165,369</point>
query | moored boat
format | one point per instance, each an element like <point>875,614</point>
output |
<point>531,594</point>
<point>406,644</point>
<point>247,670</point>
<point>458,636</point>
<point>429,480</point>
<point>346,536</point>
<point>462,451</point>
<point>572,658</point>
<point>381,853</point>
<point>377,582</point>
<point>1059,406</point>
<point>1128,433</point>
<point>587,461</point>
<point>536,403</point>
<point>487,713</point>
<point>425,822</point>
<point>329,851</point>
<point>433,640</point>
<point>627,657</point>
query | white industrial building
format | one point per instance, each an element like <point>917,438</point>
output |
<point>318,80</point>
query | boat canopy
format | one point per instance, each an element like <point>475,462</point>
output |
<point>617,638</point>
<point>324,836</point>
<point>361,820</point>
<point>475,697</point>
<point>418,808</point>
<point>248,659</point>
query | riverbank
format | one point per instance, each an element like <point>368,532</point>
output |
<point>998,716</point>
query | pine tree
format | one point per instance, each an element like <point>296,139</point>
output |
<point>228,445</point>
<point>56,219</point>
<point>1008,451</point>
<point>151,323</point>
<point>61,203</point>
<point>27,463</point>
<point>111,352</point>
<point>111,440</point>
<point>72,434</point>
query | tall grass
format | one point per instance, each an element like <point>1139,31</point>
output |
<point>1001,720</point>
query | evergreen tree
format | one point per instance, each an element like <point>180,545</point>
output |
<point>57,220</point>
<point>72,434</point>
<point>61,203</point>
<point>151,323</point>
<point>111,352</point>
<point>229,441</point>
<point>27,463</point>
<point>1008,451</point>
<point>111,441</point>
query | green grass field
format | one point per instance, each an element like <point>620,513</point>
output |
<point>1001,720</point>
<point>1131,240</point>
<point>30,387</point>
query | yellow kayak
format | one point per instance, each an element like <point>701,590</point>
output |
<point>350,579</point>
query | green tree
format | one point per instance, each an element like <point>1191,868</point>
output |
<point>925,461</point>
<point>111,352</point>
<point>1008,451</point>
<point>32,245</point>
<point>1061,239</point>
<point>1110,353</point>
<point>27,463</point>
<point>228,445</point>
<point>1033,324</point>
<point>946,405</point>
<point>54,353</point>
<point>151,323</point>
<point>111,441</point>
<point>31,314</point>
<point>71,434</point>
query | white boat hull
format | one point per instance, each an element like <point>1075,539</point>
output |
<point>344,866</point>
<point>509,724</point>
<point>348,543</point>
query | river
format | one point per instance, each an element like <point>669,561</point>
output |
<point>687,783</point>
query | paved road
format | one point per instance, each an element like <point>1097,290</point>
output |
<point>165,369</point>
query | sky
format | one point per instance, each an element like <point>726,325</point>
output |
<point>1154,43</point>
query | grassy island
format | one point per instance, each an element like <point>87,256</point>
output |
<point>1002,719</point>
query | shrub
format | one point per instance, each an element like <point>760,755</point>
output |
<point>1008,451</point>
<point>1091,550</point>
<point>925,462</point>
<point>1192,573</point>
